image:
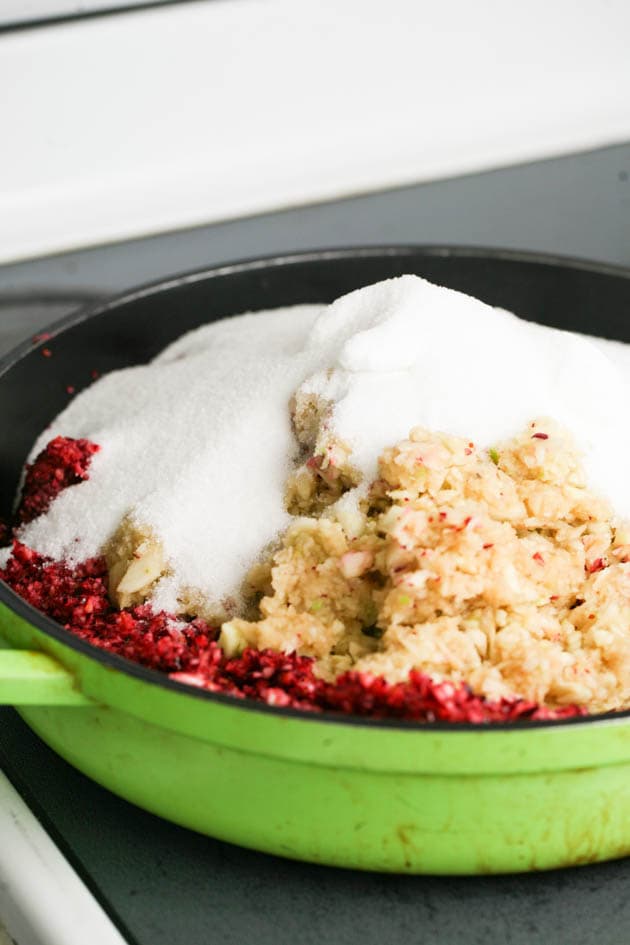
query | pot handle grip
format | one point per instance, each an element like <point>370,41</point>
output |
<point>32,678</point>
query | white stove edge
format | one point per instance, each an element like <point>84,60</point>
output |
<point>42,899</point>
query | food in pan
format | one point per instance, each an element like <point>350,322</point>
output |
<point>405,504</point>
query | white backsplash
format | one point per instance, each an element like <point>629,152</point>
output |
<point>197,112</point>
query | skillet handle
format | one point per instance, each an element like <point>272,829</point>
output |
<point>31,678</point>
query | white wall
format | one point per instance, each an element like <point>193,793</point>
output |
<point>198,112</point>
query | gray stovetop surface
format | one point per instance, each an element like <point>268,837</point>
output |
<point>166,886</point>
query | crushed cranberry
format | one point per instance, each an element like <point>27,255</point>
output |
<point>64,462</point>
<point>598,565</point>
<point>77,599</point>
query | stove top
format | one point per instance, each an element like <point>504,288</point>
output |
<point>162,885</point>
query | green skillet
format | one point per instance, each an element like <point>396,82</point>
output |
<point>430,798</point>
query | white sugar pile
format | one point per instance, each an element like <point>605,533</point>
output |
<point>198,444</point>
<point>408,352</point>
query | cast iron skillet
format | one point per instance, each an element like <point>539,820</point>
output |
<point>74,689</point>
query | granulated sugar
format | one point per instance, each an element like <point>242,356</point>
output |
<point>197,445</point>
<point>408,353</point>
